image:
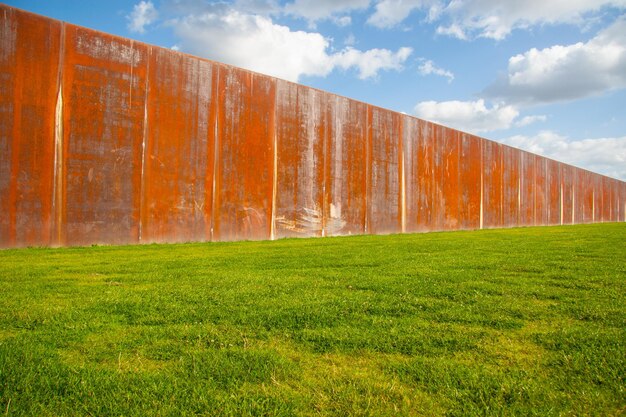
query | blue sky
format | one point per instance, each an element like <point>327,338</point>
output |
<point>548,76</point>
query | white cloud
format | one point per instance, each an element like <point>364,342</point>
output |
<point>391,12</point>
<point>470,116</point>
<point>370,62</point>
<point>528,120</point>
<point>142,15</point>
<point>262,7</point>
<point>567,72</point>
<point>454,30</point>
<point>313,10</point>
<point>255,42</point>
<point>496,19</point>
<point>342,21</point>
<point>489,18</point>
<point>602,155</point>
<point>428,67</point>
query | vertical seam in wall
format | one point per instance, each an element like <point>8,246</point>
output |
<point>561,194</point>
<point>519,188</point>
<point>216,151</point>
<point>602,201</point>
<point>534,190</point>
<point>573,197</point>
<point>459,219</point>
<point>274,169</point>
<point>144,139</point>
<point>325,158</point>
<point>15,148</point>
<point>482,163</point>
<point>593,206</point>
<point>402,180</point>
<point>368,168</point>
<point>57,193</point>
<point>546,195</point>
<point>501,186</point>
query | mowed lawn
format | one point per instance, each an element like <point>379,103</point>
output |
<point>525,321</point>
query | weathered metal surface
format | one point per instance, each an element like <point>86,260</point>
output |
<point>470,174</point>
<point>106,140</point>
<point>103,121</point>
<point>492,185</point>
<point>301,128</point>
<point>511,184</point>
<point>567,193</point>
<point>244,143</point>
<point>553,192</point>
<point>541,208</point>
<point>451,144</point>
<point>425,180</point>
<point>346,191</point>
<point>178,155</point>
<point>385,176</point>
<point>29,77</point>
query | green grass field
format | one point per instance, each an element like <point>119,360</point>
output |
<point>501,322</point>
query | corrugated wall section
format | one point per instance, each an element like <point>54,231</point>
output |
<point>106,140</point>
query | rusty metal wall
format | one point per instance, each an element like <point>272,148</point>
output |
<point>107,140</point>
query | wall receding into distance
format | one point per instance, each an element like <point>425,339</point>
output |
<point>106,140</point>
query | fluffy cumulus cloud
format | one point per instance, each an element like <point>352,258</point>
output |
<point>566,72</point>
<point>489,18</point>
<point>528,120</point>
<point>496,19</point>
<point>388,13</point>
<point>257,43</point>
<point>370,62</point>
<point>428,67</point>
<point>313,10</point>
<point>470,116</point>
<point>144,13</point>
<point>603,155</point>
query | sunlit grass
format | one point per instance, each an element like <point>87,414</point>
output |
<point>502,322</point>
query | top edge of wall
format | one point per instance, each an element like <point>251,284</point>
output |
<point>148,45</point>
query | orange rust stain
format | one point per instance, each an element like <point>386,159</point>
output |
<point>246,155</point>
<point>301,120</point>
<point>469,182</point>
<point>29,65</point>
<point>178,160</point>
<point>107,140</point>
<point>492,185</point>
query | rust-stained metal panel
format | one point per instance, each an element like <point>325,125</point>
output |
<point>578,196</point>
<point>553,186</point>
<point>104,99</point>
<point>605,196</point>
<point>438,171</point>
<point>106,140</point>
<point>178,155</point>
<point>450,177</point>
<point>586,196</point>
<point>244,174</point>
<point>29,71</point>
<point>527,189</point>
<point>541,207</point>
<point>511,183</point>
<point>469,181</point>
<point>567,194</point>
<point>385,198</point>
<point>492,184</point>
<point>425,179</point>
<point>346,190</point>
<point>597,198</point>
<point>300,140</point>
<point>410,143</point>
